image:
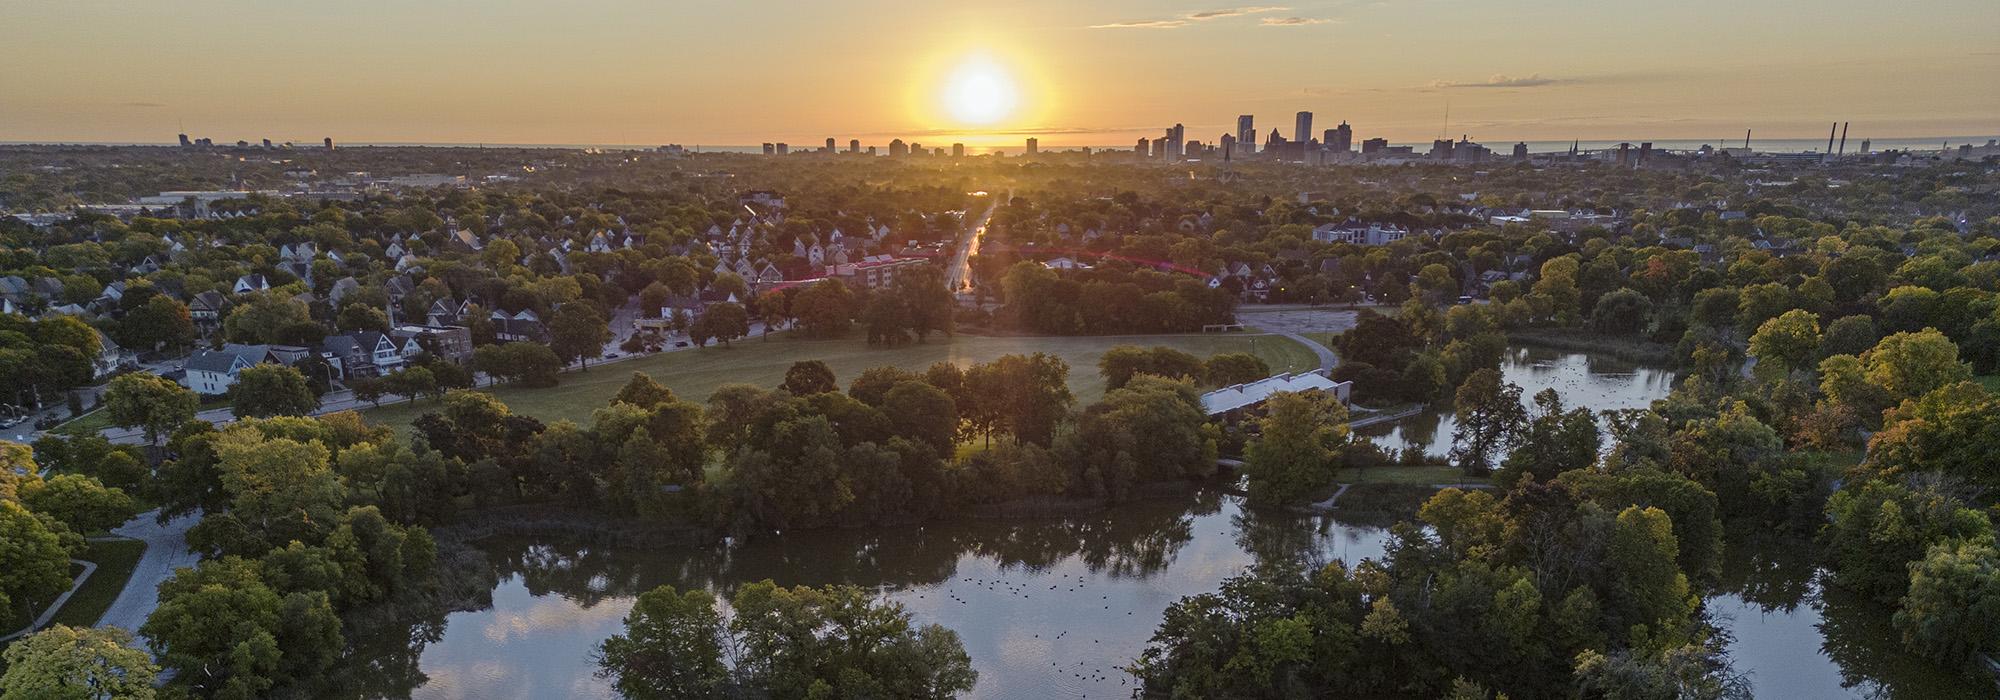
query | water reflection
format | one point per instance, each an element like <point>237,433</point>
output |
<point>1046,607</point>
<point>1598,383</point>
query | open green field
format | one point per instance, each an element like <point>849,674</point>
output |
<point>695,373</point>
<point>115,560</point>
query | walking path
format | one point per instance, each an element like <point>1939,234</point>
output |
<point>55,607</point>
<point>1327,360</point>
<point>166,550</point>
<point>1327,505</point>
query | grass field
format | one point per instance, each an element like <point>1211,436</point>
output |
<point>87,424</point>
<point>115,560</point>
<point>695,373</point>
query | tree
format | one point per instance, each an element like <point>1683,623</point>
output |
<point>1623,312</point>
<point>1953,608</point>
<point>808,377</point>
<point>1292,457</point>
<point>824,308</point>
<point>923,413</point>
<point>531,364</point>
<point>724,321</point>
<point>413,382</point>
<point>1848,335</point>
<point>1026,395</point>
<point>81,502</point>
<point>1555,441</point>
<point>267,317</point>
<point>887,320</point>
<point>929,305</point>
<point>1786,344</point>
<point>71,663</point>
<point>1230,368</point>
<point>1119,364</point>
<point>225,633</point>
<point>160,322</point>
<point>1642,557</point>
<point>268,390</point>
<point>1152,429</point>
<point>671,648</point>
<point>874,383</point>
<point>362,317</point>
<point>34,562</point>
<point>1489,419</point>
<point>148,401</point>
<point>643,391</point>
<point>577,333</point>
<point>841,640</point>
<point>1908,364</point>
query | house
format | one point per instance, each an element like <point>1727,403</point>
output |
<point>1233,399</point>
<point>252,282</point>
<point>206,308</point>
<point>1357,233</point>
<point>452,343</point>
<point>213,372</point>
<point>522,327</point>
<point>445,313</point>
<point>363,353</point>
<point>1065,264</point>
<point>341,289</point>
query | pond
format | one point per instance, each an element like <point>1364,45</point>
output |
<point>1596,382</point>
<point>1054,607</point>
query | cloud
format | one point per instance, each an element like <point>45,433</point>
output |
<point>1191,18</point>
<point>1292,21</point>
<point>1502,81</point>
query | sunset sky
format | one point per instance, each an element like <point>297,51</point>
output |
<point>732,72</point>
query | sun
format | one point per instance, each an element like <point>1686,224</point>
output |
<point>980,91</point>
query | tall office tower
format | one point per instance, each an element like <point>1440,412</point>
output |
<point>185,142</point>
<point>1275,140</point>
<point>1373,145</point>
<point>1034,146</point>
<point>897,149</point>
<point>1624,153</point>
<point>1228,146</point>
<point>783,148</point>
<point>1141,147</point>
<point>958,150</point>
<point>329,143</point>
<point>1645,152</point>
<point>267,143</point>
<point>854,145</point>
<point>916,149</point>
<point>1521,150</point>
<point>1343,139</point>
<point>1303,131</point>
<point>871,150</point>
<point>770,148</point>
<point>1246,134</point>
<point>1441,149</point>
<point>1171,146</point>
<point>829,144</point>
<point>1326,138</point>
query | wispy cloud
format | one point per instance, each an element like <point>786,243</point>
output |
<point>1292,21</point>
<point>1191,18</point>
<point>1502,81</point>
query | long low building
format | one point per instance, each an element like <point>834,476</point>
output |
<point>1240,396</point>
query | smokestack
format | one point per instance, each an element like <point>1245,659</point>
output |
<point>1843,139</point>
<point>1829,140</point>
<point>1746,138</point>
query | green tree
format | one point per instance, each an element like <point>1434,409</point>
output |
<point>1786,344</point>
<point>839,642</point>
<point>1234,368</point>
<point>1953,608</point>
<point>148,401</point>
<point>161,322</point>
<point>724,321</point>
<point>1489,419</point>
<point>671,648</point>
<point>1909,365</point>
<point>268,390</point>
<point>1293,456</point>
<point>34,562</point>
<point>808,377</point>
<point>72,663</point>
<point>268,317</point>
<point>577,333</point>
<point>643,391</point>
<point>225,633</point>
<point>923,413</point>
<point>824,309</point>
<point>83,503</point>
<point>1555,441</point>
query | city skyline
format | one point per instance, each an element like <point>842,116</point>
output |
<point>616,72</point>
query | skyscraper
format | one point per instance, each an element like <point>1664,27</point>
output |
<point>185,143</point>
<point>958,150</point>
<point>1342,140</point>
<point>1228,146</point>
<point>329,143</point>
<point>1246,134</point>
<point>770,148</point>
<point>854,145</point>
<point>897,149</point>
<point>1373,145</point>
<point>1303,131</point>
<point>1173,144</point>
<point>1140,148</point>
<point>829,144</point>
<point>1034,145</point>
<point>783,148</point>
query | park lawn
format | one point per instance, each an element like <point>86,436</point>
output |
<point>115,560</point>
<point>695,373</point>
<point>90,423</point>
<point>1397,474</point>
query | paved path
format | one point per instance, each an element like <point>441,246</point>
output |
<point>958,278</point>
<point>166,549</point>
<point>1327,360</point>
<point>55,607</point>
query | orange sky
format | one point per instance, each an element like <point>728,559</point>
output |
<point>725,72</point>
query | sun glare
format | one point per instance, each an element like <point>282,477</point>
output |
<point>980,91</point>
